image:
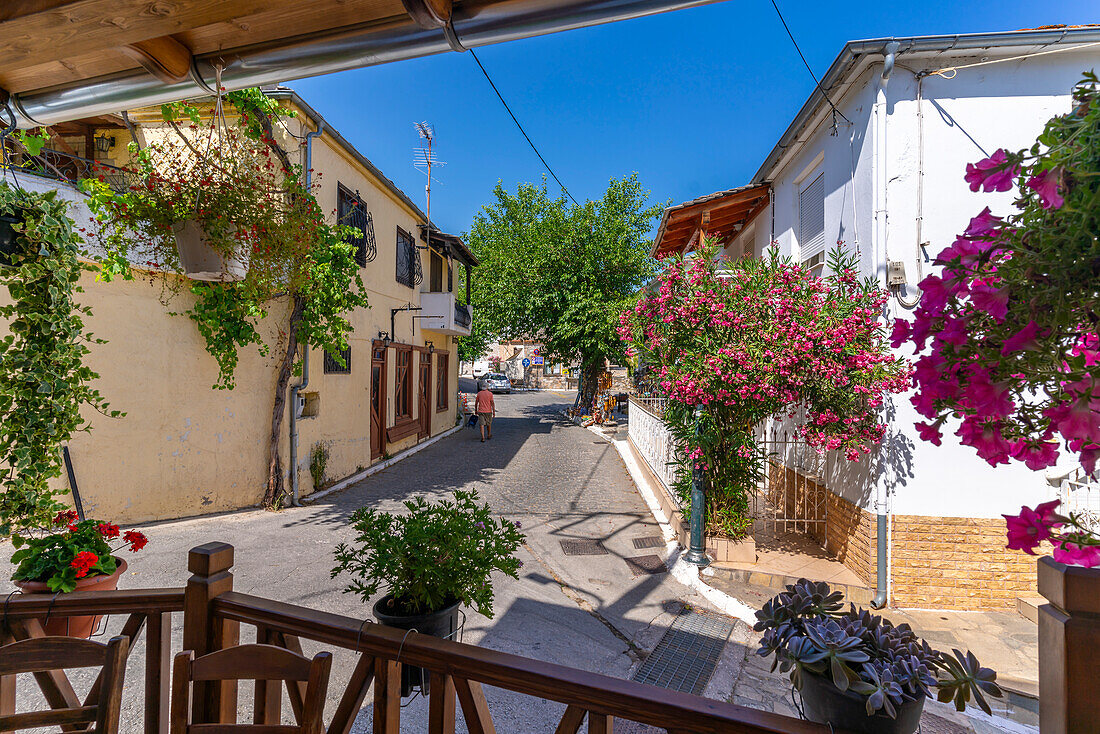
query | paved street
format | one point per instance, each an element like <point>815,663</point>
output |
<point>561,482</point>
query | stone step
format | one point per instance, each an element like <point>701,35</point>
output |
<point>1028,606</point>
<point>859,595</point>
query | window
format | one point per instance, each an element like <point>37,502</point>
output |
<point>351,211</point>
<point>435,272</point>
<point>811,217</point>
<point>442,381</point>
<point>338,363</point>
<point>450,276</point>
<point>403,384</point>
<point>408,260</point>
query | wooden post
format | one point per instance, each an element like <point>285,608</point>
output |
<point>387,696</point>
<point>158,654</point>
<point>209,564</point>
<point>1069,636</point>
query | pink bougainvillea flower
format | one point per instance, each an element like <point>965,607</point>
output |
<point>1046,184</point>
<point>930,433</point>
<point>1076,555</point>
<point>1023,340</point>
<point>992,300</point>
<point>983,224</point>
<point>991,174</point>
<point>1031,527</point>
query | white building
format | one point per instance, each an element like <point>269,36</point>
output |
<point>875,159</point>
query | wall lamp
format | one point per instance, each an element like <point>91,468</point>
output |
<point>104,143</point>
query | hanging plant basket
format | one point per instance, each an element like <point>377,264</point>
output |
<point>199,260</point>
<point>8,246</point>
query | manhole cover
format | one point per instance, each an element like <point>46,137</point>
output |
<point>642,565</point>
<point>685,658</point>
<point>649,542</point>
<point>583,547</point>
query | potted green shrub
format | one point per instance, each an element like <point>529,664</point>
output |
<point>75,555</point>
<point>859,672</point>
<point>431,561</point>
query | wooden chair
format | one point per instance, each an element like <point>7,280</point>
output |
<point>42,654</point>
<point>258,663</point>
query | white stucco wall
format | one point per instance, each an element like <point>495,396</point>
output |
<point>965,119</point>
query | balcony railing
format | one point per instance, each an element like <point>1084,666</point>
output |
<point>62,166</point>
<point>212,617</point>
<point>462,315</point>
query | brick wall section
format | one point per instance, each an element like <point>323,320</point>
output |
<point>797,497</point>
<point>956,563</point>
<point>851,536</point>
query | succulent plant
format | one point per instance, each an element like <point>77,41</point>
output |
<point>807,634</point>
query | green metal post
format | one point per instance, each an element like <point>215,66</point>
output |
<point>697,552</point>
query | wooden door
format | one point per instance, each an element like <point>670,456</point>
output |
<point>424,408</point>
<point>377,400</point>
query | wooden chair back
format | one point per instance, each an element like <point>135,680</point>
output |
<point>42,654</point>
<point>257,663</point>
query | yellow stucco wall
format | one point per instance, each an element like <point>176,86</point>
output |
<point>185,449</point>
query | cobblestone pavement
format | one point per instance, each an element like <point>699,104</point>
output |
<point>561,482</point>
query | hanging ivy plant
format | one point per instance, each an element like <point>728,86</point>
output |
<point>43,378</point>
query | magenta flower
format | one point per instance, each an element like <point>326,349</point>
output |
<point>930,433</point>
<point>1076,555</point>
<point>1036,456</point>
<point>900,334</point>
<point>1076,420</point>
<point>982,225</point>
<point>1023,340</point>
<point>1046,184</point>
<point>991,174</point>
<point>994,301</point>
<point>986,437</point>
<point>1031,527</point>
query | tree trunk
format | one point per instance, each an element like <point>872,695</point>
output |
<point>588,386</point>
<point>275,486</point>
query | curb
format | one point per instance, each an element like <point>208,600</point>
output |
<point>686,573</point>
<point>345,483</point>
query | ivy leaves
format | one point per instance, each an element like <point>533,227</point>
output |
<point>43,379</point>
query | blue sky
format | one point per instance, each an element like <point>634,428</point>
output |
<point>692,100</point>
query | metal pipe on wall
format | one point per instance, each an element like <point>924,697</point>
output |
<point>474,23</point>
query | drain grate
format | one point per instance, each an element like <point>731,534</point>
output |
<point>642,565</point>
<point>649,542</point>
<point>583,547</point>
<point>931,724</point>
<point>685,658</point>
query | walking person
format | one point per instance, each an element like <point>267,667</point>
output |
<point>486,410</point>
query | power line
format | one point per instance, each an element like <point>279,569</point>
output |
<point>806,63</point>
<point>525,135</point>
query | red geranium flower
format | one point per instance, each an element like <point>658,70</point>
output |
<point>136,540</point>
<point>107,530</point>
<point>83,563</point>
<point>65,516</point>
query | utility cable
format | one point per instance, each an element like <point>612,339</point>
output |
<point>518,125</point>
<point>807,64</point>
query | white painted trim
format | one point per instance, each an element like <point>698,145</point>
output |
<point>684,572</point>
<point>345,483</point>
<point>807,173</point>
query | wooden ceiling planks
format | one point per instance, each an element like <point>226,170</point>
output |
<point>718,215</point>
<point>93,34</point>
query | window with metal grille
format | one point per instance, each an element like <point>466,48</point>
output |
<point>442,381</point>
<point>450,276</point>
<point>338,363</point>
<point>351,211</point>
<point>409,271</point>
<point>402,384</point>
<point>811,217</point>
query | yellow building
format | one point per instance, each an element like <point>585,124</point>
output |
<point>185,449</point>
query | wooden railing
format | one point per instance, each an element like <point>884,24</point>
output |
<point>214,613</point>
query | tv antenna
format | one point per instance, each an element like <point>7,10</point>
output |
<point>423,159</point>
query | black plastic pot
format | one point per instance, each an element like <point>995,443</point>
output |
<point>8,246</point>
<point>824,703</point>
<point>443,623</point>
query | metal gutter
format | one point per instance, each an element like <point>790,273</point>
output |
<point>475,23</point>
<point>855,51</point>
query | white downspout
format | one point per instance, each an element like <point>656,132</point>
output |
<point>880,250</point>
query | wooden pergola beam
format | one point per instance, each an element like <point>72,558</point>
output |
<point>165,58</point>
<point>429,13</point>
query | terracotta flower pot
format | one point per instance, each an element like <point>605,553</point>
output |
<point>199,260</point>
<point>75,626</point>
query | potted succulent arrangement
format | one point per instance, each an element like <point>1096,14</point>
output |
<point>431,561</point>
<point>75,555</point>
<point>858,671</point>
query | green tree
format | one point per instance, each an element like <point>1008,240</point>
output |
<point>563,273</point>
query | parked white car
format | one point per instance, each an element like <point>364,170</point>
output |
<point>495,382</point>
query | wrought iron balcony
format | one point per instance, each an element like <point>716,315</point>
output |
<point>463,318</point>
<point>62,166</point>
